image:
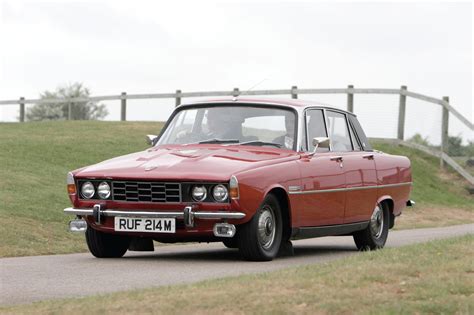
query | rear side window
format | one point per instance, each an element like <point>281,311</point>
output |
<point>360,133</point>
<point>355,143</point>
<point>338,132</point>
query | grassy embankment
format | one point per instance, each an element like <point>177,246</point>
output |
<point>430,278</point>
<point>35,157</point>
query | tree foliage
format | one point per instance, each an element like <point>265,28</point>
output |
<point>60,111</point>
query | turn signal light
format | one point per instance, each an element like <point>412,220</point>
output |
<point>234,188</point>
<point>71,186</point>
<point>71,189</point>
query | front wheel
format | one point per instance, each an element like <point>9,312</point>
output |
<point>105,245</point>
<point>375,235</point>
<point>260,238</point>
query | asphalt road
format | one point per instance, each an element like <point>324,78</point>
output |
<point>28,279</point>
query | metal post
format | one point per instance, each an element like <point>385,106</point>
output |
<point>401,112</point>
<point>123,103</point>
<point>236,92</point>
<point>444,129</point>
<point>350,99</point>
<point>22,109</point>
<point>178,98</point>
<point>294,93</point>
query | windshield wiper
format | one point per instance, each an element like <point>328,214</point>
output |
<point>215,140</point>
<point>261,143</point>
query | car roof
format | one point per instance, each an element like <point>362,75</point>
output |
<point>291,103</point>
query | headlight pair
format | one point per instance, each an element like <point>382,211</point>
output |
<point>219,193</point>
<point>88,190</point>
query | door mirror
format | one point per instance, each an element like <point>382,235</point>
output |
<point>151,139</point>
<point>320,142</point>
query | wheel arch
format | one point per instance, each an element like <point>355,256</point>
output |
<point>388,200</point>
<point>284,201</point>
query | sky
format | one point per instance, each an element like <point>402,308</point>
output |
<point>161,46</point>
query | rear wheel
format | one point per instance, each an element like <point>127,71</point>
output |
<point>260,238</point>
<point>375,234</point>
<point>105,245</point>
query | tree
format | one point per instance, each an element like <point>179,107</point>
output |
<point>419,139</point>
<point>454,146</point>
<point>60,111</point>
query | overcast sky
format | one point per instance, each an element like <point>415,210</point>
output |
<point>153,47</point>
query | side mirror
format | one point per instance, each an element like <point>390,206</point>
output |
<point>150,139</point>
<point>320,142</point>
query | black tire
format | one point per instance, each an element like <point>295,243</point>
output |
<point>231,242</point>
<point>262,246</point>
<point>375,235</point>
<point>105,245</point>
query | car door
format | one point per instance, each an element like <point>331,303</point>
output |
<point>361,178</point>
<point>321,198</point>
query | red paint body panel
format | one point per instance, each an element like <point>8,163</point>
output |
<point>314,209</point>
<point>319,191</point>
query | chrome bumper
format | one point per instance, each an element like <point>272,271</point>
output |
<point>188,214</point>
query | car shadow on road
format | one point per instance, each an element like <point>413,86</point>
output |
<point>232,255</point>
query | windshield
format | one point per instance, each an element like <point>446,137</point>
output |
<point>248,125</point>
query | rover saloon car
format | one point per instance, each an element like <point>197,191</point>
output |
<point>251,173</point>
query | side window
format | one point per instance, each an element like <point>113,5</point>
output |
<point>360,133</point>
<point>338,132</point>
<point>355,143</point>
<point>315,127</point>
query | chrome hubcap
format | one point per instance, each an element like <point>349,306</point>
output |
<point>376,222</point>
<point>266,227</point>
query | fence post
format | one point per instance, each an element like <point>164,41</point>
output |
<point>236,92</point>
<point>69,111</point>
<point>444,130</point>
<point>350,99</point>
<point>22,109</point>
<point>123,103</point>
<point>178,98</point>
<point>294,93</point>
<point>401,112</point>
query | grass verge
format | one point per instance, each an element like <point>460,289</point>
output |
<point>35,157</point>
<point>34,161</point>
<point>435,278</point>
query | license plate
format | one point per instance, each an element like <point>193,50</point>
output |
<point>145,225</point>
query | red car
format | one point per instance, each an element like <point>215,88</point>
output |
<point>251,173</point>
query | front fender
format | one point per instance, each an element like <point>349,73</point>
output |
<point>255,184</point>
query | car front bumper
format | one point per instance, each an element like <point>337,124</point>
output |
<point>188,214</point>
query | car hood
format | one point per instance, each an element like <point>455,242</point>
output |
<point>187,162</point>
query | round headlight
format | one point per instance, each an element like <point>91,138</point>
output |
<point>220,193</point>
<point>87,190</point>
<point>199,193</point>
<point>103,190</point>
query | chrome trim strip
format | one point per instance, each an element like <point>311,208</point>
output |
<point>205,215</point>
<point>294,188</point>
<point>320,191</point>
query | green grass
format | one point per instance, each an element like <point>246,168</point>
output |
<point>432,186</point>
<point>34,161</point>
<point>35,157</point>
<point>430,278</point>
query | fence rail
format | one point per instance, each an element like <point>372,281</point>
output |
<point>293,92</point>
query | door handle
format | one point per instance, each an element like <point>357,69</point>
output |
<point>337,159</point>
<point>368,156</point>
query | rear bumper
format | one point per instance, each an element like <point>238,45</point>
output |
<point>188,215</point>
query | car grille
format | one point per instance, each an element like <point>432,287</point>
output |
<point>146,191</point>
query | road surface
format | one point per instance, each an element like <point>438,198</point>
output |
<point>29,279</point>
